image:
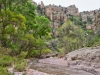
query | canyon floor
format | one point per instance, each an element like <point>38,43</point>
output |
<point>85,61</point>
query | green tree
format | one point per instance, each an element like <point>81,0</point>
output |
<point>71,37</point>
<point>42,27</point>
<point>11,23</point>
<point>20,28</point>
<point>28,10</point>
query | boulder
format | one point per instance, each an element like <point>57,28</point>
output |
<point>86,54</point>
<point>87,59</point>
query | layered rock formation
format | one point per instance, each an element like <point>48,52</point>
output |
<point>58,14</point>
<point>89,14</point>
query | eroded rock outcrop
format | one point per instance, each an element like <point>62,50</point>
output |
<point>87,59</point>
<point>57,14</point>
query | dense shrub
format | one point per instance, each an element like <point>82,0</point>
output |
<point>22,54</point>
<point>20,65</point>
<point>38,53</point>
<point>3,71</point>
<point>46,51</point>
<point>6,61</point>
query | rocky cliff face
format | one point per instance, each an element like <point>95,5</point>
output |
<point>89,17</point>
<point>58,14</point>
<point>89,14</point>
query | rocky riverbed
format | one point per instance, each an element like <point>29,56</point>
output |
<point>56,66</point>
<point>85,61</point>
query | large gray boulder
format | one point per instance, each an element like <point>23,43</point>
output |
<point>87,59</point>
<point>86,54</point>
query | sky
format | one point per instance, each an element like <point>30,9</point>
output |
<point>83,5</point>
